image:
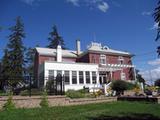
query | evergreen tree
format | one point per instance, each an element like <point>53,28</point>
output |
<point>30,60</point>
<point>157,20</point>
<point>55,39</point>
<point>16,52</point>
<point>5,69</point>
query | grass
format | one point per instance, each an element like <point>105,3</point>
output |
<point>100,111</point>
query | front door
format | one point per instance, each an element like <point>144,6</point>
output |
<point>102,79</point>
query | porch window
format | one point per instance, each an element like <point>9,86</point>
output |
<point>94,77</point>
<point>81,81</point>
<point>51,75</point>
<point>87,77</point>
<point>74,77</point>
<point>103,59</point>
<point>66,77</point>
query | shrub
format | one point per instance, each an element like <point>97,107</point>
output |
<point>50,87</point>
<point>157,82</point>
<point>9,105</point>
<point>33,92</point>
<point>44,101</point>
<point>75,94</point>
<point>119,86</point>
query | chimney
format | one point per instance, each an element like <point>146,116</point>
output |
<point>78,46</point>
<point>59,53</point>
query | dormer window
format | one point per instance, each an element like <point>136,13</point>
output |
<point>120,60</point>
<point>102,59</point>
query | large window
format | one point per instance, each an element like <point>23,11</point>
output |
<point>66,77</point>
<point>103,59</point>
<point>81,81</point>
<point>74,77</point>
<point>123,76</point>
<point>59,72</point>
<point>51,74</point>
<point>121,60</point>
<point>94,77</point>
<point>87,77</point>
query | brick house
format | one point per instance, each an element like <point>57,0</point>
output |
<point>95,66</point>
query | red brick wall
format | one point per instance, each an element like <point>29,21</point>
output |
<point>67,59</point>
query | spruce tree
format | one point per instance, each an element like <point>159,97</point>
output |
<point>157,20</point>
<point>5,69</point>
<point>55,39</point>
<point>16,52</point>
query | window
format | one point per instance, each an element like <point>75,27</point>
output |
<point>94,77</point>
<point>121,60</point>
<point>87,77</point>
<point>59,72</point>
<point>123,76</point>
<point>102,59</point>
<point>51,75</point>
<point>74,77</point>
<point>66,77</point>
<point>81,81</point>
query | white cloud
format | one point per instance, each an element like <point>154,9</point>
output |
<point>103,7</point>
<point>146,13</point>
<point>151,75</point>
<point>154,62</point>
<point>74,2</point>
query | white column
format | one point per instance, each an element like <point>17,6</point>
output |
<point>77,77</point>
<point>97,78</point>
<point>90,73</point>
<point>135,73</point>
<point>70,77</point>
<point>84,77</point>
<point>111,72</point>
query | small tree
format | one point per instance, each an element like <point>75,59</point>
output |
<point>119,86</point>
<point>9,105</point>
<point>157,82</point>
<point>44,102</point>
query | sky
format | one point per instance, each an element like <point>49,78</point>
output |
<point>126,25</point>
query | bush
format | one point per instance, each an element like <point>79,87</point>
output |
<point>9,105</point>
<point>44,102</point>
<point>33,92</point>
<point>50,87</point>
<point>75,94</point>
<point>119,86</point>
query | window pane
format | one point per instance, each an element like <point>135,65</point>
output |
<point>74,77</point>
<point>102,59</point>
<point>87,77</point>
<point>66,77</point>
<point>94,78</point>
<point>59,72</point>
<point>81,81</point>
<point>51,75</point>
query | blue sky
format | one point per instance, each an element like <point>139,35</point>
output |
<point>120,24</point>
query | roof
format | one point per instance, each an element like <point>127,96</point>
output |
<point>52,52</point>
<point>93,47</point>
<point>97,47</point>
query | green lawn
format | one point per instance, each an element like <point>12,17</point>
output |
<point>102,111</point>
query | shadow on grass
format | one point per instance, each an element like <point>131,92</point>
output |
<point>127,117</point>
